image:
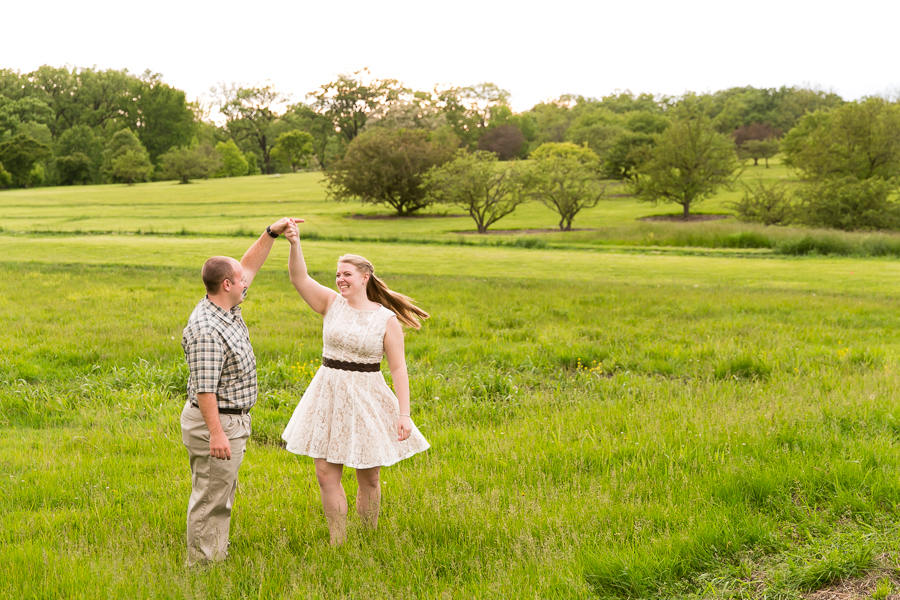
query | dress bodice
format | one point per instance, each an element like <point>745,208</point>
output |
<point>353,335</point>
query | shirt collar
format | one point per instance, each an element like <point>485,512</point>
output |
<point>224,315</point>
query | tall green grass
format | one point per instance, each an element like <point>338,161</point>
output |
<point>592,437</point>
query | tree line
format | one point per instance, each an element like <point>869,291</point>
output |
<point>379,141</point>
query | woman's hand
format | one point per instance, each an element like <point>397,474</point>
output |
<point>404,428</point>
<point>292,234</point>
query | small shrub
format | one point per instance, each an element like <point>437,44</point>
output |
<point>769,205</point>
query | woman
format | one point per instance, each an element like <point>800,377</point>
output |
<point>348,415</point>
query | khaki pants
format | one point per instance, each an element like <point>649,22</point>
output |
<point>214,483</point>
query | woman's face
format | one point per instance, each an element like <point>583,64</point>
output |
<point>350,280</point>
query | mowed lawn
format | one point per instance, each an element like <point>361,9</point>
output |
<point>244,204</point>
<point>604,424</point>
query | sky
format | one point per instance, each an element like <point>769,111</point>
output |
<point>536,50</point>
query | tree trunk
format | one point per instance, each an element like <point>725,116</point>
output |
<point>687,211</point>
<point>755,162</point>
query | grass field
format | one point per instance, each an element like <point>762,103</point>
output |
<point>713,423</point>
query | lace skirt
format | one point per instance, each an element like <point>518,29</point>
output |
<point>350,418</point>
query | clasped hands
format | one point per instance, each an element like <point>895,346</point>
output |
<point>287,227</point>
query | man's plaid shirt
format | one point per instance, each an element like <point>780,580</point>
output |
<point>217,348</point>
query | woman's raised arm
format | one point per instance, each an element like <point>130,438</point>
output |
<point>314,293</point>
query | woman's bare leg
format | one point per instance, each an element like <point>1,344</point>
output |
<point>368,498</point>
<point>334,500</point>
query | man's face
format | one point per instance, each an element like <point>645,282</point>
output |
<point>235,285</point>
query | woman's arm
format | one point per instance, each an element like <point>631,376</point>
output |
<point>393,348</point>
<point>315,294</point>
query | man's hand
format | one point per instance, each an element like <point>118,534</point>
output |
<point>282,224</point>
<point>219,446</point>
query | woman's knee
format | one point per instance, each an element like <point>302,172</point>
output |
<point>328,474</point>
<point>368,477</point>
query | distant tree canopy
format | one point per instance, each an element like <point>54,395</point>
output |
<point>77,113</point>
<point>860,140</point>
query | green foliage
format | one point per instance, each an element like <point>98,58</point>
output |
<point>233,162</point>
<point>74,168</point>
<point>5,177</point>
<point>471,110</point>
<point>488,191</point>
<point>859,139</point>
<point>160,115</point>
<point>130,166</point>
<point>564,177</point>
<point>347,101</point>
<point>384,166</point>
<point>190,162</point>
<point>849,204</point>
<point>766,204</point>
<point>117,166</point>
<point>688,164</point>
<point>294,148</point>
<point>252,117</point>
<point>19,156</point>
<point>79,154</point>
<point>625,154</point>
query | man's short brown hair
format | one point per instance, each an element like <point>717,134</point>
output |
<point>216,270</point>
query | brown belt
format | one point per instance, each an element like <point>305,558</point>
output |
<point>351,366</point>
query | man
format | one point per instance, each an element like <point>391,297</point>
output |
<point>215,422</point>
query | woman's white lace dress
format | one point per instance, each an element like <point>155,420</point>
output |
<point>350,417</point>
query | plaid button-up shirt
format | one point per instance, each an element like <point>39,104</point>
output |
<point>217,348</point>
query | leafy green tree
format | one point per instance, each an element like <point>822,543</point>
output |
<point>79,155</point>
<point>136,168</point>
<point>294,148</point>
<point>690,161</point>
<point>384,166</point>
<point>757,149</point>
<point>74,168</point>
<point>566,178</point>
<point>849,203</point>
<point>19,156</point>
<point>190,162</point>
<point>233,162</point>
<point>251,116</point>
<point>488,191</point>
<point>859,139</point>
<point>130,166</point>
<point>347,101</point>
<point>506,141</point>
<point>160,115</point>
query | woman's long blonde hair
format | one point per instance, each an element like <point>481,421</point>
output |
<point>377,291</point>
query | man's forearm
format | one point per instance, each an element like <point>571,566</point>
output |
<point>209,408</point>
<point>256,256</point>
